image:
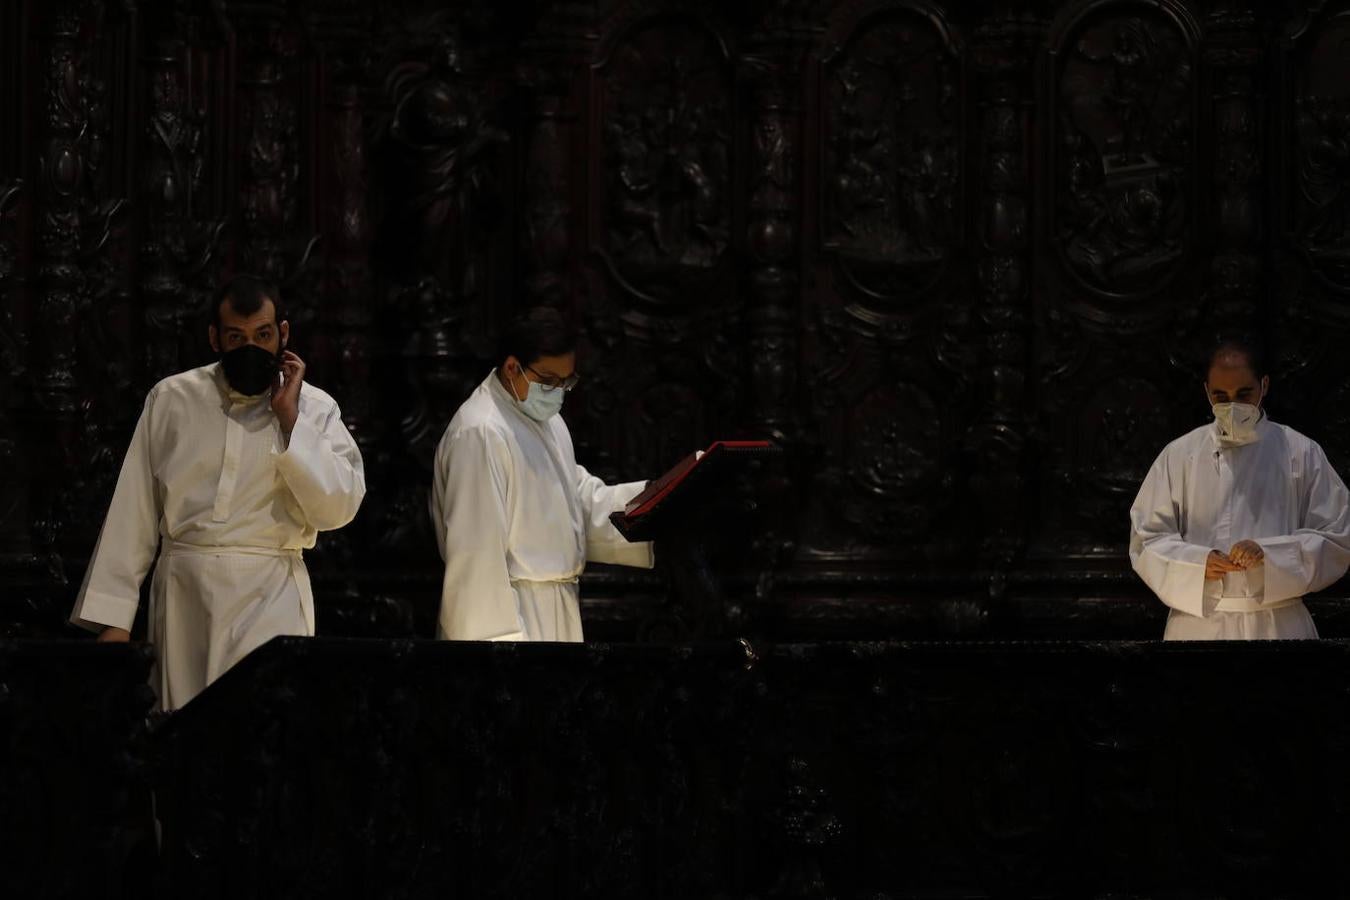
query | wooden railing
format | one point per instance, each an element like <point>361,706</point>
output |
<point>406,769</point>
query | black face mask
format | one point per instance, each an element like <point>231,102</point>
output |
<point>250,369</point>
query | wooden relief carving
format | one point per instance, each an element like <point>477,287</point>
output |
<point>891,153</point>
<point>666,130</point>
<point>179,244</point>
<point>75,226</point>
<point>270,172</point>
<point>1321,188</point>
<point>12,488</point>
<point>1003,53</point>
<point>773,230</point>
<point>889,340</point>
<point>1121,226</point>
<point>1312,259</point>
<point>1124,138</point>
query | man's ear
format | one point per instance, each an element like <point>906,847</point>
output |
<point>285,331</point>
<point>1265,386</point>
<point>214,338</point>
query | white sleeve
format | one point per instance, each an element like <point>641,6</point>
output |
<point>324,472</point>
<point>478,602</point>
<point>1171,567</point>
<point>1317,554</point>
<point>126,546</point>
<point>604,543</point>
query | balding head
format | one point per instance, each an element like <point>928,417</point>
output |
<point>1236,373</point>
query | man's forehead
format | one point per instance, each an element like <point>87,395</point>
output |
<point>1232,359</point>
<point>231,319</point>
<point>561,366</point>
<point>1237,375</point>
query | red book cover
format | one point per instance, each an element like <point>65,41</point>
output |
<point>661,487</point>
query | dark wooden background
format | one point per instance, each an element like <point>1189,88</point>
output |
<point>958,259</point>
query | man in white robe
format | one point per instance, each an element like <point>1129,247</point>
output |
<point>232,470</point>
<point>516,518</point>
<point>1240,518</point>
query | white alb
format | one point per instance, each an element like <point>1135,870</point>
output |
<point>1203,494</point>
<point>517,519</point>
<point>212,484</point>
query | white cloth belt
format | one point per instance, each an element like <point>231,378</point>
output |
<point>1252,604</point>
<point>298,570</point>
<point>179,548</point>
<point>561,579</point>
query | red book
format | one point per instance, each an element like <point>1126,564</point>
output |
<point>667,484</point>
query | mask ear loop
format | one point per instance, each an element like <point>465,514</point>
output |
<point>512,382</point>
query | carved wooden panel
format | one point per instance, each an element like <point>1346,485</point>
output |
<point>887,371</point>
<point>1312,284</point>
<point>957,258</point>
<point>1119,274</point>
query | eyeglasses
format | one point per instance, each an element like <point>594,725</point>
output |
<point>552,382</point>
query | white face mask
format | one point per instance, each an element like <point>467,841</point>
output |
<point>539,403</point>
<point>1237,423</point>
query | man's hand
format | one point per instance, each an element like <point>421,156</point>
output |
<point>1218,565</point>
<point>286,399</point>
<point>1247,554</point>
<point>114,636</point>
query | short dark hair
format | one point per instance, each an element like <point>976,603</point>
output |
<point>535,333</point>
<point>246,294</point>
<point>1242,344</point>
